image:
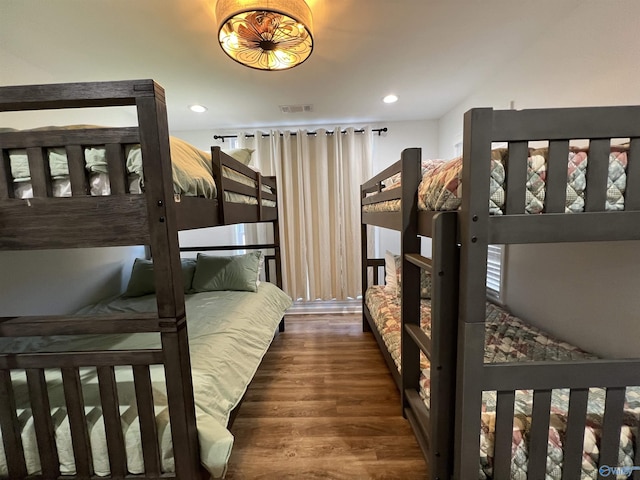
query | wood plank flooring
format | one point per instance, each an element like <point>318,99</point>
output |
<point>323,406</point>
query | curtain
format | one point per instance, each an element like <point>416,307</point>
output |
<point>319,179</point>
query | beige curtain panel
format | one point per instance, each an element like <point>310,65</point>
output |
<point>319,179</point>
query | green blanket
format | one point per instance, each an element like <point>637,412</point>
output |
<point>229,333</point>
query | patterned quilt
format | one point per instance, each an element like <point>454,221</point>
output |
<point>385,311</point>
<point>441,186</point>
<point>428,166</point>
<point>442,189</point>
<point>508,339</point>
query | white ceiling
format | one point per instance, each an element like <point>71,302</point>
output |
<point>431,53</point>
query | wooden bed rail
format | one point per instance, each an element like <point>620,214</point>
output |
<point>561,374</point>
<point>376,264</point>
<point>170,331</point>
<point>77,95</point>
<point>563,123</point>
<point>73,141</point>
<point>409,168</point>
<point>272,277</point>
<point>542,377</point>
<point>77,223</point>
<point>87,324</point>
<point>374,184</point>
<point>44,401</point>
<point>80,223</point>
<point>231,212</point>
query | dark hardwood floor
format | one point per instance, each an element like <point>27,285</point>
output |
<point>323,406</point>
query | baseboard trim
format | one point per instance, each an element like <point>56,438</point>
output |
<point>319,307</point>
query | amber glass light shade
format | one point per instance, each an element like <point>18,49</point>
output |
<point>267,34</point>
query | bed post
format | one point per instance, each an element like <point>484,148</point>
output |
<point>154,140</point>
<point>216,168</point>
<point>444,324</point>
<point>364,257</point>
<point>278,255</point>
<point>411,167</point>
<point>473,230</point>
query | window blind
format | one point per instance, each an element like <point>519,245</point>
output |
<point>494,272</point>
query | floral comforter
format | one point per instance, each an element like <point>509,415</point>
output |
<point>441,185</point>
<point>508,339</point>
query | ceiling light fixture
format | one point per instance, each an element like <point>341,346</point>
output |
<point>198,108</point>
<point>265,34</point>
<point>390,99</point>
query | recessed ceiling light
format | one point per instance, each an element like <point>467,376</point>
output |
<point>390,99</point>
<point>198,108</point>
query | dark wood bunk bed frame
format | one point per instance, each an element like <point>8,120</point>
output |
<point>448,431</point>
<point>371,192</point>
<point>153,219</point>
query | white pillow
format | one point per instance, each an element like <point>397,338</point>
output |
<point>243,155</point>
<point>391,264</point>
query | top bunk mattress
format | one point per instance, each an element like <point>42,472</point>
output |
<point>441,185</point>
<point>191,170</point>
<point>229,333</point>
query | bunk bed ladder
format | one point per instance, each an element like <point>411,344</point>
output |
<point>410,170</point>
<point>435,426</point>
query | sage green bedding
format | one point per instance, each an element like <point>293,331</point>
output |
<point>229,333</point>
<point>191,168</point>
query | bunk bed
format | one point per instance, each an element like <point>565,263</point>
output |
<point>381,305</point>
<point>560,414</point>
<point>44,359</point>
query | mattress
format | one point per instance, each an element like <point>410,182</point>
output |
<point>229,332</point>
<point>384,307</point>
<point>191,170</point>
<point>508,339</point>
<point>99,186</point>
<point>441,185</point>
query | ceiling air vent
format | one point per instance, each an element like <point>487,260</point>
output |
<point>295,108</point>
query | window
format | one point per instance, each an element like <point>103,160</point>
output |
<point>494,272</point>
<point>494,253</point>
<point>457,149</point>
<point>238,229</point>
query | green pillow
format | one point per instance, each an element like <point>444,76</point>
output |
<point>141,281</point>
<point>236,272</point>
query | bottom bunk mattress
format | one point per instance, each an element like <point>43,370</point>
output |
<point>229,333</point>
<point>384,307</point>
<point>508,339</point>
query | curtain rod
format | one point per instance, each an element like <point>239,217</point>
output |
<point>379,131</point>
